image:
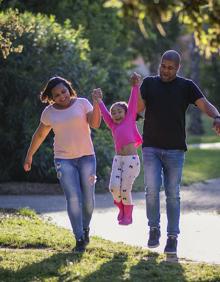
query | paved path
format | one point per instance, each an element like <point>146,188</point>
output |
<point>200,219</point>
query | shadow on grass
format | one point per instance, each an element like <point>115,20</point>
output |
<point>146,269</point>
<point>63,267</point>
<point>152,269</point>
<point>45,269</point>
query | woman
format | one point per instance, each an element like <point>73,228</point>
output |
<point>70,118</point>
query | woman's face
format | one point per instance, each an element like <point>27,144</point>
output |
<point>61,95</point>
<point>118,114</point>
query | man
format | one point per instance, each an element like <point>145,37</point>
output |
<point>165,99</point>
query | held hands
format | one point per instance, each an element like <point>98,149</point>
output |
<point>97,95</point>
<point>135,79</point>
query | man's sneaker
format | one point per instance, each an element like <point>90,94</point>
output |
<point>86,235</point>
<point>80,246</point>
<point>171,245</point>
<point>154,237</point>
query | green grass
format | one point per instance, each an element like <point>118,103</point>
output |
<point>208,137</point>
<point>44,254</point>
<point>200,165</point>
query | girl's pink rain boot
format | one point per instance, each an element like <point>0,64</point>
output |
<point>121,210</point>
<point>127,219</point>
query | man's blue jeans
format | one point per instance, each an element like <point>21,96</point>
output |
<point>77,178</point>
<point>163,167</point>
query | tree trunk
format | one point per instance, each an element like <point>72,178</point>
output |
<point>195,122</point>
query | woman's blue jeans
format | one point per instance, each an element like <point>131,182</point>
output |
<point>163,167</point>
<point>77,178</point>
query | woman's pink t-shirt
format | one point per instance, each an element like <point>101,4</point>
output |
<point>72,135</point>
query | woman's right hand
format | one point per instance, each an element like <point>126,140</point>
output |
<point>97,95</point>
<point>27,164</point>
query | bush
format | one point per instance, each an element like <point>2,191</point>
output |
<point>49,48</point>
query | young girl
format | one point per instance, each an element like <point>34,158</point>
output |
<point>126,164</point>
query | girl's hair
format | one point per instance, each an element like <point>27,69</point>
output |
<point>46,94</point>
<point>121,104</point>
<point>124,106</point>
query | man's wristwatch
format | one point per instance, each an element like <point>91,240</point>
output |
<point>214,120</point>
<point>216,117</point>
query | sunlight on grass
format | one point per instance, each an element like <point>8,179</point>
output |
<point>27,212</point>
<point>200,165</point>
<point>209,135</point>
<point>102,261</point>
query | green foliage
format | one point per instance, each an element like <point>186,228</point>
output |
<point>107,36</point>
<point>200,17</point>
<point>210,73</point>
<point>104,153</point>
<point>83,55</point>
<point>10,30</point>
<point>48,49</point>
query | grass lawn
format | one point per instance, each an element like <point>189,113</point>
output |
<point>209,135</point>
<point>35,250</point>
<point>200,165</point>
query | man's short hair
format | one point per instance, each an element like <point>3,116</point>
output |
<point>172,55</point>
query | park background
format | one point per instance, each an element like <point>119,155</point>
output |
<point>98,44</point>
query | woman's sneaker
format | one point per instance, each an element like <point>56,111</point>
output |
<point>171,245</point>
<point>154,237</point>
<point>80,246</point>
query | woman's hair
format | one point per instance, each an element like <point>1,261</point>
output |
<point>46,94</point>
<point>121,104</point>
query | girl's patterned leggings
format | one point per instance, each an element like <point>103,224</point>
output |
<point>125,169</point>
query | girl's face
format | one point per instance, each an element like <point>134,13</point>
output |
<point>61,95</point>
<point>118,114</point>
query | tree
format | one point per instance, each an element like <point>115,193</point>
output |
<point>48,49</point>
<point>202,17</point>
<point>9,31</point>
<point>195,124</point>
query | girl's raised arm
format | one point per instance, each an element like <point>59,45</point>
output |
<point>133,99</point>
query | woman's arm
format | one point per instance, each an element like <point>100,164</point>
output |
<point>97,96</point>
<point>94,117</point>
<point>37,139</point>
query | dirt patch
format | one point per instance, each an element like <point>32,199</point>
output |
<point>28,188</point>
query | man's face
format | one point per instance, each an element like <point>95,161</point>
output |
<point>168,70</point>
